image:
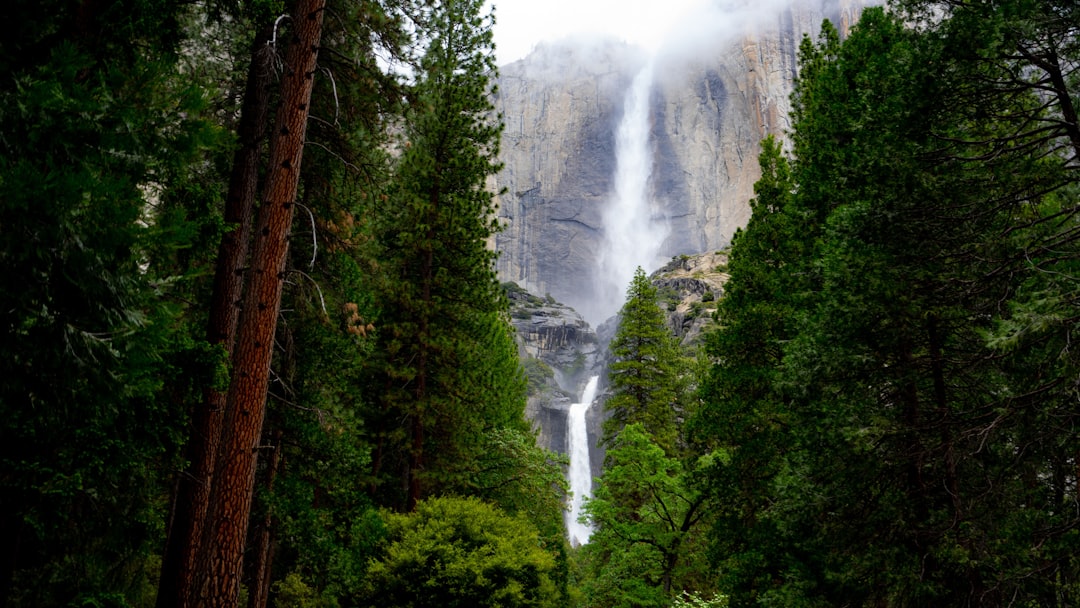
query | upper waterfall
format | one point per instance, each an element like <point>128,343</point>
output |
<point>707,114</point>
<point>633,232</point>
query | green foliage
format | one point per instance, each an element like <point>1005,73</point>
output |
<point>97,123</point>
<point>647,511</point>
<point>645,507</point>
<point>517,293</point>
<point>694,600</point>
<point>868,428</point>
<point>323,517</point>
<point>450,372</point>
<point>619,575</point>
<point>112,180</point>
<point>646,375</point>
<point>460,552</point>
<point>323,520</point>
<point>539,374</point>
<point>293,592</point>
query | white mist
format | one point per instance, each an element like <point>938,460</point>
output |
<point>633,234</point>
<point>580,473</point>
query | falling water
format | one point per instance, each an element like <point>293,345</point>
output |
<point>632,235</point>
<point>580,475</point>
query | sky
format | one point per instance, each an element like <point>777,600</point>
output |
<point>520,24</point>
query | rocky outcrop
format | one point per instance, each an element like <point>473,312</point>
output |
<point>559,352</point>
<point>710,109</point>
<point>689,287</point>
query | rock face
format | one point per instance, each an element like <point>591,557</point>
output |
<point>710,108</point>
<point>689,287</point>
<point>559,352</point>
<point>561,107</point>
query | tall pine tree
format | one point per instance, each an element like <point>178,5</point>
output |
<point>450,371</point>
<point>645,382</point>
<point>873,429</point>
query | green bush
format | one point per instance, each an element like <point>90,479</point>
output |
<point>461,552</point>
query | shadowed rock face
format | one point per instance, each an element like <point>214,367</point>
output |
<point>709,112</point>
<point>560,352</point>
<point>561,108</point>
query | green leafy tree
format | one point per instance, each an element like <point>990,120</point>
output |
<point>526,480</point>
<point>647,512</point>
<point>460,552</point>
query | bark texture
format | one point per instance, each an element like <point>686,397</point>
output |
<point>192,497</point>
<point>220,563</point>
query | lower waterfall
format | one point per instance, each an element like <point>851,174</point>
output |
<point>580,474</point>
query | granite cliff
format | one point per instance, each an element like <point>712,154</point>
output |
<point>710,108</point>
<point>560,351</point>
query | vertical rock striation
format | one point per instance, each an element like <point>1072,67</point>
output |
<point>710,110</point>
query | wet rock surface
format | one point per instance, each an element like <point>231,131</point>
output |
<point>710,109</point>
<point>559,351</point>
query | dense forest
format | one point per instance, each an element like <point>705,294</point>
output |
<point>254,350</point>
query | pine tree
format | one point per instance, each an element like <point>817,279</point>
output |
<point>98,127</point>
<point>645,376</point>
<point>868,423</point>
<point>450,371</point>
<point>743,414</point>
<point>192,495</point>
<point>645,507</point>
<point>218,570</point>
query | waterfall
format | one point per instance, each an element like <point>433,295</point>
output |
<point>632,235</point>
<point>580,474</point>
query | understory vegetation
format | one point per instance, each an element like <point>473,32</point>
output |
<point>253,348</point>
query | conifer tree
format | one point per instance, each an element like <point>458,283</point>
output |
<point>645,374</point>
<point>217,580</point>
<point>645,507</point>
<point>450,369</point>
<point>869,428</point>
<point>98,127</point>
<point>192,495</point>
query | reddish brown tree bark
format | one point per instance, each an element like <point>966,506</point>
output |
<point>221,555</point>
<point>259,587</point>
<point>192,496</point>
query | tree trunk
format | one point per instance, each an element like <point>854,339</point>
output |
<point>416,454</point>
<point>259,589</point>
<point>192,497</point>
<point>220,562</point>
